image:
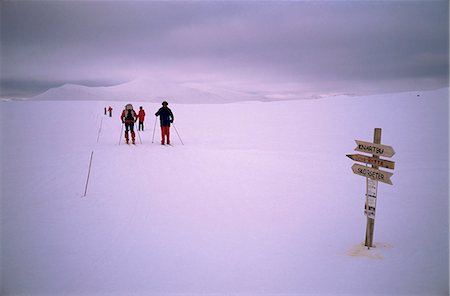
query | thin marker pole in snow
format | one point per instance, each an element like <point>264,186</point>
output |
<point>89,174</point>
<point>178,134</point>
<point>154,128</point>
<point>100,129</point>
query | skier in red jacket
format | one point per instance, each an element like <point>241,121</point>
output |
<point>141,116</point>
<point>128,118</point>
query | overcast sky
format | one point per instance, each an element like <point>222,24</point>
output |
<point>334,45</point>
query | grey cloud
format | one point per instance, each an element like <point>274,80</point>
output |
<point>322,42</point>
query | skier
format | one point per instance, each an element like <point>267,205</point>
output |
<point>141,116</point>
<point>165,118</point>
<point>110,111</point>
<point>105,110</point>
<point>128,118</point>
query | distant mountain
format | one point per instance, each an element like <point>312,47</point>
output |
<point>150,91</point>
<point>154,91</point>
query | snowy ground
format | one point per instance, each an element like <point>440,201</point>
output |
<point>260,199</point>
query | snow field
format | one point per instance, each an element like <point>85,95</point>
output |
<point>260,199</point>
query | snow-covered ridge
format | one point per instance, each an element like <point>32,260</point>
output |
<point>150,90</point>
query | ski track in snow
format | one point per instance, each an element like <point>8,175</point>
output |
<point>260,199</point>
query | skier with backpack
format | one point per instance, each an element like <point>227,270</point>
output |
<point>128,118</point>
<point>165,118</point>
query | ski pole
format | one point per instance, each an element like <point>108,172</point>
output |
<point>154,128</point>
<point>121,130</point>
<point>139,134</point>
<point>177,133</point>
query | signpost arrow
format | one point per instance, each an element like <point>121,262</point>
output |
<point>375,149</point>
<point>372,160</point>
<point>371,173</point>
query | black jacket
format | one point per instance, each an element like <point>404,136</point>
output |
<point>165,116</point>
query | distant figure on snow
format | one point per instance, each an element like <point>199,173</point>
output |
<point>141,116</point>
<point>105,110</point>
<point>165,118</point>
<point>128,118</point>
<point>110,111</point>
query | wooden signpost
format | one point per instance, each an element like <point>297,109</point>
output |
<point>373,175</point>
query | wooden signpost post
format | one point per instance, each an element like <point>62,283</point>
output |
<point>373,175</point>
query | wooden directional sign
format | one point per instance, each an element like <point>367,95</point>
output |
<point>375,149</point>
<point>372,160</point>
<point>373,174</point>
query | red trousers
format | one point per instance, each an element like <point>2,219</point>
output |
<point>165,132</point>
